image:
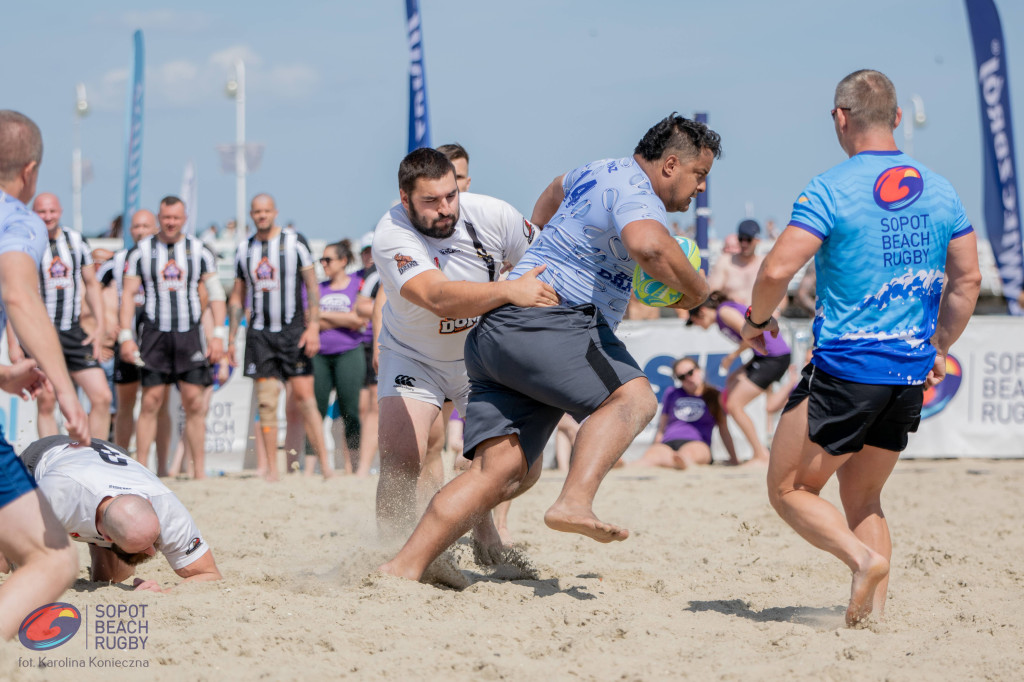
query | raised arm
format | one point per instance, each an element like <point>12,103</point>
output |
<point>548,203</point>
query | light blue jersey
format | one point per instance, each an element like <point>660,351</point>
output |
<point>20,230</point>
<point>582,244</point>
<point>885,222</point>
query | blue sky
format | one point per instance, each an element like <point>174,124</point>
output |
<point>532,88</point>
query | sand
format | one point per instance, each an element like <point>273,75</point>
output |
<point>711,585</point>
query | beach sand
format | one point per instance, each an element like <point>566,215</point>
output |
<point>710,585</point>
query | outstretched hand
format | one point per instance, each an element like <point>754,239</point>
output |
<point>530,292</point>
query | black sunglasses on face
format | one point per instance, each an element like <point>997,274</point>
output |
<point>686,375</point>
<point>325,260</point>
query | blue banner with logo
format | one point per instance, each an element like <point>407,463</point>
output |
<point>419,123</point>
<point>1002,215</point>
<point>133,140</point>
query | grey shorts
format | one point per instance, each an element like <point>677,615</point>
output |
<point>529,366</point>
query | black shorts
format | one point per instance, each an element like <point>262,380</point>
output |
<point>171,357</point>
<point>765,371</point>
<point>371,376</point>
<point>529,366</point>
<point>77,356</point>
<point>125,372</point>
<point>677,443</point>
<point>844,416</point>
<point>276,355</point>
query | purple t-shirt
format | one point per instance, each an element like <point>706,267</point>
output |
<point>689,417</point>
<point>339,340</point>
<point>775,346</point>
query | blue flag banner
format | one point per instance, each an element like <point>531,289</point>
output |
<point>419,123</point>
<point>133,140</point>
<point>703,213</point>
<point>1002,215</point>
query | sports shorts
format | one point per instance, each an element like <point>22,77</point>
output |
<point>171,357</point>
<point>276,355</point>
<point>844,416</point>
<point>15,480</point>
<point>766,370</point>
<point>529,366</point>
<point>428,382</point>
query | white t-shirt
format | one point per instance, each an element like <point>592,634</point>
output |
<point>488,232</point>
<point>76,479</point>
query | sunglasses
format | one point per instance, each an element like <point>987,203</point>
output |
<point>833,112</point>
<point>686,375</point>
<point>742,240</point>
<point>325,260</point>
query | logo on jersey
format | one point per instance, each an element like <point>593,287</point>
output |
<point>59,275</point>
<point>938,396</point>
<point>265,279</point>
<point>689,409</point>
<point>195,544</point>
<point>450,326</point>
<point>528,231</point>
<point>437,262</point>
<point>404,381</point>
<point>49,626</point>
<point>335,303</point>
<point>577,193</point>
<point>898,187</point>
<point>449,250</point>
<point>404,263</point>
<point>173,277</point>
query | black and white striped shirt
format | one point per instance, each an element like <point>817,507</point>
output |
<point>112,272</point>
<point>170,276</point>
<point>271,271</point>
<point>60,277</point>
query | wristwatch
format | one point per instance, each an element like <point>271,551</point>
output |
<point>753,324</point>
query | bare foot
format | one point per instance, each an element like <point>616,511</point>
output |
<point>862,589</point>
<point>756,462</point>
<point>681,463</point>
<point>444,570</point>
<point>583,522</point>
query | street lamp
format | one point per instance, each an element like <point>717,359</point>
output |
<point>236,89</point>
<point>81,109</point>
<point>916,120</point>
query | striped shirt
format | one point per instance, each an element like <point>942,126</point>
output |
<point>60,277</point>
<point>170,276</point>
<point>271,271</point>
<point>112,272</point>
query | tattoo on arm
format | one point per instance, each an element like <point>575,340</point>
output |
<point>235,313</point>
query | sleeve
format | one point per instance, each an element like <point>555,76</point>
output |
<point>669,395</point>
<point>815,209</point>
<point>370,285</point>
<point>207,261</point>
<point>59,491</point>
<point>21,234</point>
<point>180,540</point>
<point>400,255</point>
<point>240,268</point>
<point>304,253</point>
<point>83,246</point>
<point>961,225</point>
<point>634,202</point>
<point>105,272</point>
<point>132,267</point>
<point>519,233</point>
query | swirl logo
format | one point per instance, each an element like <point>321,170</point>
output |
<point>898,187</point>
<point>938,396</point>
<point>49,626</point>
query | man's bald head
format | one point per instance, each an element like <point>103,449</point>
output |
<point>263,211</point>
<point>143,225</point>
<point>131,523</point>
<point>47,206</point>
<point>21,143</point>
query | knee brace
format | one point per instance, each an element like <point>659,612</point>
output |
<point>267,393</point>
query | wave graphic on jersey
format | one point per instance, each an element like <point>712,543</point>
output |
<point>923,284</point>
<point>898,187</point>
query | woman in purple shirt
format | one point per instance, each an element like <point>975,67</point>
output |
<point>755,377</point>
<point>341,364</point>
<point>689,413</point>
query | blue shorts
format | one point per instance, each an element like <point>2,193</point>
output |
<point>15,480</point>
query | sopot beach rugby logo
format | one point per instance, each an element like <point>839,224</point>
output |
<point>49,626</point>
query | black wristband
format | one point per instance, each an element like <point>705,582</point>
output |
<point>753,324</point>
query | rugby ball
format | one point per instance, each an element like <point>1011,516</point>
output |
<point>650,291</point>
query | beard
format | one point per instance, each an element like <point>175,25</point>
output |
<point>439,227</point>
<point>130,559</point>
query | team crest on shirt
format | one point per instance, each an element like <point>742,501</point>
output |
<point>689,409</point>
<point>404,263</point>
<point>173,277</point>
<point>59,275</point>
<point>265,276</point>
<point>898,187</point>
<point>528,231</point>
<point>195,544</point>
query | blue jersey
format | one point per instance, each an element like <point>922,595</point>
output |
<point>20,230</point>
<point>582,244</point>
<point>885,222</point>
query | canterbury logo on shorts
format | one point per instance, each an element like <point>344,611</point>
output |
<point>403,380</point>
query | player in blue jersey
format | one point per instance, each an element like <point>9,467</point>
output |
<point>529,366</point>
<point>30,535</point>
<point>884,232</point>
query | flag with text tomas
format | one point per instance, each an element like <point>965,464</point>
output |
<point>133,139</point>
<point>419,122</point>
<point>1002,212</point>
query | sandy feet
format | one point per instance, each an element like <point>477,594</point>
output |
<point>444,570</point>
<point>862,590</point>
<point>583,522</point>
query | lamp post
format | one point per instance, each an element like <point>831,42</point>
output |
<point>81,109</point>
<point>236,89</point>
<point>916,120</point>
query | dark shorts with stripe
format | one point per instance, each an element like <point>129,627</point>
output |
<point>77,356</point>
<point>764,371</point>
<point>844,416</point>
<point>276,355</point>
<point>529,366</point>
<point>171,357</point>
<point>15,480</point>
<point>128,372</point>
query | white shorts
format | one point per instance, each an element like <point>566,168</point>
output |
<point>434,382</point>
